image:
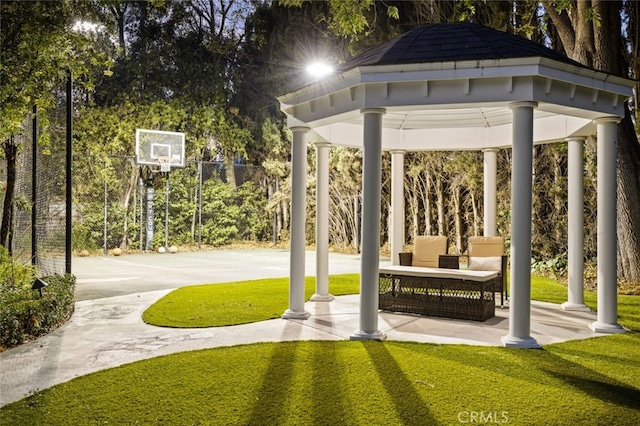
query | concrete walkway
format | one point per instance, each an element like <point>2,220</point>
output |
<point>105,332</point>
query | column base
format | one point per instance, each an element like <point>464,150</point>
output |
<point>321,298</point>
<point>365,335</point>
<point>601,327</point>
<point>568,306</point>
<point>302,315</point>
<point>519,342</point>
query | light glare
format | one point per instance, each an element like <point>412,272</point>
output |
<point>319,69</point>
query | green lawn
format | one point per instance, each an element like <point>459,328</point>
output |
<point>215,305</point>
<point>592,381</point>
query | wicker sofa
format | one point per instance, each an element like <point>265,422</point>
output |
<point>485,254</point>
<point>429,282</point>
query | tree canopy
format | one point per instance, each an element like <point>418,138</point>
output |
<point>213,69</point>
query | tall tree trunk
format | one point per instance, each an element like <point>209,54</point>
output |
<point>558,215</point>
<point>598,44</point>
<point>284,210</point>
<point>427,206</point>
<point>230,168</point>
<point>628,173</point>
<point>442,224</point>
<point>279,209</point>
<point>133,179</point>
<point>270,193</point>
<point>476,221</point>
<point>457,217</point>
<point>356,218</point>
<point>415,220</point>
<point>10,153</point>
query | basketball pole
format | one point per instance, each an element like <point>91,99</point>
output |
<point>150,222</point>
<point>155,152</point>
<point>166,214</point>
<point>141,212</point>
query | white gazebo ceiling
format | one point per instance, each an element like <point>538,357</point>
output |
<point>437,97</point>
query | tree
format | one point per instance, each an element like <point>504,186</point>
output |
<point>591,33</point>
<point>38,50</point>
<point>588,31</point>
<point>174,49</point>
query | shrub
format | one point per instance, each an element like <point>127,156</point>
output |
<point>24,315</point>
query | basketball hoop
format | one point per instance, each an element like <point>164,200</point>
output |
<point>165,164</point>
<point>161,151</point>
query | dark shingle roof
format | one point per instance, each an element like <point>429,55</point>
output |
<point>448,42</point>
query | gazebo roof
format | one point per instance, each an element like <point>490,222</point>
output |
<point>449,87</point>
<point>463,41</point>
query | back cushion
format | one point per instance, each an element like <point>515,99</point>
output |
<point>486,246</point>
<point>427,250</point>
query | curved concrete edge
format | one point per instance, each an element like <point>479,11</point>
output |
<point>109,332</point>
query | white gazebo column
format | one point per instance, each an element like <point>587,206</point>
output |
<point>575,300</point>
<point>298,219</point>
<point>521,199</point>
<point>607,319</point>
<point>370,256</point>
<point>397,206</point>
<point>322,223</point>
<point>490,191</point>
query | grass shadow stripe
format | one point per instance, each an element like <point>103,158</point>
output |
<point>328,384</point>
<point>410,407</point>
<point>277,382</point>
<point>589,381</point>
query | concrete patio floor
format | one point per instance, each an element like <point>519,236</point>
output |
<point>107,332</point>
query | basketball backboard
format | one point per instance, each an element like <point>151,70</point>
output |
<point>156,146</point>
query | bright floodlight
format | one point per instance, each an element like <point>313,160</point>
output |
<point>319,69</point>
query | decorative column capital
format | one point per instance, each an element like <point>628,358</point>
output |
<point>300,129</point>
<point>608,119</point>
<point>322,144</point>
<point>576,139</point>
<point>373,110</point>
<point>397,151</point>
<point>523,104</point>
<point>490,150</point>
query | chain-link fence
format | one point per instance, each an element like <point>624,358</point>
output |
<point>119,205</point>
<point>37,215</point>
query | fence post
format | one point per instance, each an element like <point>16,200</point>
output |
<point>166,214</point>
<point>34,186</point>
<point>105,211</point>
<point>199,204</point>
<point>69,170</point>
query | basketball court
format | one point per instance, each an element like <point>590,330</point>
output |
<point>107,276</point>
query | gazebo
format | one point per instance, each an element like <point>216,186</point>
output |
<point>458,86</point>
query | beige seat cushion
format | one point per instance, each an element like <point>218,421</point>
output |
<point>427,250</point>
<point>490,263</point>
<point>486,246</point>
<point>455,274</point>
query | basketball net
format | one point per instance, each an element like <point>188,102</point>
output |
<point>165,164</point>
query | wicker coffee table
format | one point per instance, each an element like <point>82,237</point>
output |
<point>459,294</point>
